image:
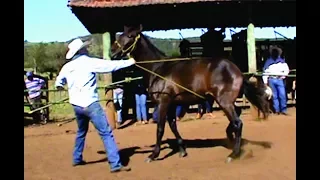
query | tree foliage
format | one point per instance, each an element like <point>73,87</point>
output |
<point>49,57</point>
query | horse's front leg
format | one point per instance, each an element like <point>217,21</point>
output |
<point>163,109</point>
<point>173,126</point>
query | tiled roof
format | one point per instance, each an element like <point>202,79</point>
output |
<point>129,3</point>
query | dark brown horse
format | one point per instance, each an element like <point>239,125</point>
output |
<point>205,77</point>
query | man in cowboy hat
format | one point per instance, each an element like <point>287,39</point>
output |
<point>275,70</point>
<point>80,75</point>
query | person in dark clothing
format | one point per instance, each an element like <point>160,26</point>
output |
<point>212,42</point>
<point>206,107</point>
<point>140,93</point>
<point>184,48</point>
<point>180,111</point>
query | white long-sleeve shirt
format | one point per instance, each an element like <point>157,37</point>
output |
<point>276,67</point>
<point>80,75</point>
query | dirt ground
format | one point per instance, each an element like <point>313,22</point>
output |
<point>48,151</point>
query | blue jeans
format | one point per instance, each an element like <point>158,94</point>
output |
<point>99,120</point>
<point>279,95</point>
<point>207,108</point>
<point>178,111</point>
<point>141,107</point>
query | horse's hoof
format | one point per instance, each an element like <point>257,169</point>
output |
<point>229,160</point>
<point>183,154</point>
<point>148,160</point>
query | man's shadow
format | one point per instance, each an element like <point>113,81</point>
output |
<point>126,153</point>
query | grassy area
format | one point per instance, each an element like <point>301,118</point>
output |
<point>60,111</point>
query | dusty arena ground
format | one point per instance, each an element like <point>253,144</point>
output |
<point>48,151</point>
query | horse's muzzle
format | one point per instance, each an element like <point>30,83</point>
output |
<point>116,55</point>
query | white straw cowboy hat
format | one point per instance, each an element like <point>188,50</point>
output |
<point>75,46</point>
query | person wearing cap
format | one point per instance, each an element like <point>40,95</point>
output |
<point>117,100</point>
<point>275,70</point>
<point>79,73</point>
<point>34,86</point>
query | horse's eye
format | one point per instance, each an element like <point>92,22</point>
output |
<point>129,36</point>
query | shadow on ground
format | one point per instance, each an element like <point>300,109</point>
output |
<point>126,153</point>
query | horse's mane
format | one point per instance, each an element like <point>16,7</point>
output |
<point>152,47</point>
<point>160,68</point>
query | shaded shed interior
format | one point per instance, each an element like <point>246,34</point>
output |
<point>99,16</point>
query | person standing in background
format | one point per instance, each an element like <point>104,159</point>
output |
<point>212,42</point>
<point>117,99</point>
<point>205,107</point>
<point>34,86</point>
<point>278,69</point>
<point>140,93</point>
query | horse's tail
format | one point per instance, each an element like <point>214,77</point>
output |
<point>257,96</point>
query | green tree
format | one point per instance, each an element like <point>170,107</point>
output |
<point>44,57</point>
<point>55,56</point>
<point>49,57</point>
<point>95,48</point>
<point>36,55</point>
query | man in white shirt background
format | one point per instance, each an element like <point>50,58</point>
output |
<point>275,70</point>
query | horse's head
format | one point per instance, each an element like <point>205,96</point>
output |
<point>126,42</point>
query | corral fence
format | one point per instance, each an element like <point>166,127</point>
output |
<point>56,102</point>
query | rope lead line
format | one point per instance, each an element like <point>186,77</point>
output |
<point>158,75</point>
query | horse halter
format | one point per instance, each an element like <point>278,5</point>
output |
<point>130,48</point>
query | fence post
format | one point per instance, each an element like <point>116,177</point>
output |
<point>47,99</point>
<point>252,61</point>
<point>110,110</point>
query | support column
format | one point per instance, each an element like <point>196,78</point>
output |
<point>252,62</point>
<point>251,44</point>
<point>110,109</point>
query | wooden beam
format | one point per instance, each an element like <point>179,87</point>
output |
<point>251,44</point>
<point>110,109</point>
<point>252,62</point>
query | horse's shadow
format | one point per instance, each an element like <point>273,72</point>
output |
<point>126,153</point>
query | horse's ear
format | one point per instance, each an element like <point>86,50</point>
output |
<point>140,28</point>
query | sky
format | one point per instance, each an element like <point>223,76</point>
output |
<point>52,20</point>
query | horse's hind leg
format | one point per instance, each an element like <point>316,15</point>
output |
<point>235,126</point>
<point>163,109</point>
<point>173,126</point>
<point>229,132</point>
